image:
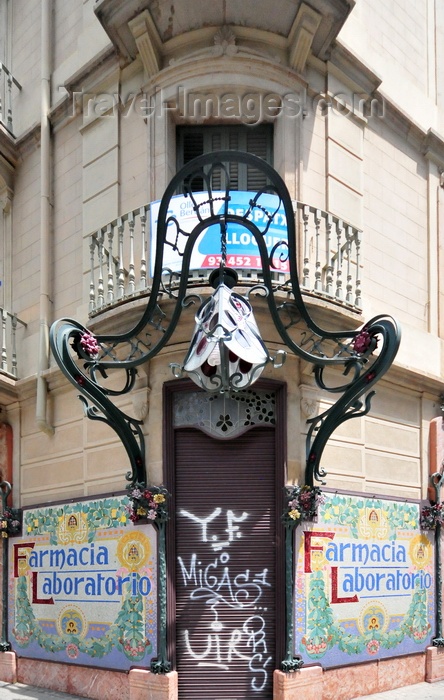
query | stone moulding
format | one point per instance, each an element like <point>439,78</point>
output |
<point>134,29</point>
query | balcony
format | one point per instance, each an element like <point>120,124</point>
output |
<point>329,264</point>
<point>9,369</point>
<point>7,81</point>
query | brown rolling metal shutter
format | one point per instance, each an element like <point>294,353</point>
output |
<point>225,565</point>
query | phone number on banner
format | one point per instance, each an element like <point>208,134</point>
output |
<point>244,261</point>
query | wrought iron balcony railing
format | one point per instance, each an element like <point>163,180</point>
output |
<point>7,80</point>
<point>329,259</point>
<point>10,322</point>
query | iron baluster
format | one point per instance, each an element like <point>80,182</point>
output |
<point>110,286</point>
<point>100,284</point>
<point>306,269</point>
<point>92,282</point>
<point>7,80</point>
<point>358,300</point>
<point>131,267</point>
<point>329,270</point>
<point>318,274</point>
<point>4,351</point>
<point>339,230</point>
<point>120,268</point>
<point>9,104</point>
<point>14,321</point>
<point>348,247</point>
<point>143,217</point>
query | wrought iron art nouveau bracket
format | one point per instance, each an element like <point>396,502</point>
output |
<point>437,482</point>
<point>362,356</point>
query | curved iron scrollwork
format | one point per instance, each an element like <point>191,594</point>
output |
<point>353,351</point>
<point>363,355</point>
<point>87,370</point>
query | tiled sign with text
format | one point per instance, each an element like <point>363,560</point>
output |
<point>364,582</point>
<point>83,585</point>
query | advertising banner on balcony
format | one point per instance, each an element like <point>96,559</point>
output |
<point>83,586</point>
<point>242,251</point>
<point>364,582</point>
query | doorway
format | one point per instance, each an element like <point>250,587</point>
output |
<point>226,551</point>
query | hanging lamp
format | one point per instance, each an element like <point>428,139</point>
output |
<point>226,352</point>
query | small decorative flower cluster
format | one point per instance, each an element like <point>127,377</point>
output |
<point>363,341</point>
<point>430,516</point>
<point>23,640</point>
<point>147,503</point>
<point>138,650</point>
<point>302,504</point>
<point>373,646</point>
<point>89,344</point>
<point>72,650</point>
<point>10,522</point>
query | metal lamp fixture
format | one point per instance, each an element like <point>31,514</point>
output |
<point>226,352</point>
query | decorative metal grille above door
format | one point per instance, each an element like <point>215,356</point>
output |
<point>224,416</point>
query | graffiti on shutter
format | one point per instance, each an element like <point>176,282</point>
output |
<point>225,565</point>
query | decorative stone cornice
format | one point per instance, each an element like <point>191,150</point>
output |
<point>29,141</point>
<point>7,170</point>
<point>8,157</point>
<point>6,197</point>
<point>353,71</point>
<point>301,36</point>
<point>8,390</point>
<point>135,28</point>
<point>93,73</point>
<point>148,42</point>
<point>433,148</point>
<point>333,13</point>
<point>207,42</point>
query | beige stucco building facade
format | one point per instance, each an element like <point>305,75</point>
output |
<point>100,96</point>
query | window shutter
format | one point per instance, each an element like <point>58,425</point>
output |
<point>197,140</point>
<point>225,582</point>
<point>259,144</point>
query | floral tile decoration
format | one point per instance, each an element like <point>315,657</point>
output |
<point>364,581</point>
<point>83,585</point>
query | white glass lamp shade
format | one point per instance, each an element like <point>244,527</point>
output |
<point>226,351</point>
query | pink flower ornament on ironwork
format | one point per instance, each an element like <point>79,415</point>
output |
<point>89,344</point>
<point>364,343</point>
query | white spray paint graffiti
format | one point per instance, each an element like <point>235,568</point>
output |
<point>232,530</point>
<point>215,585</point>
